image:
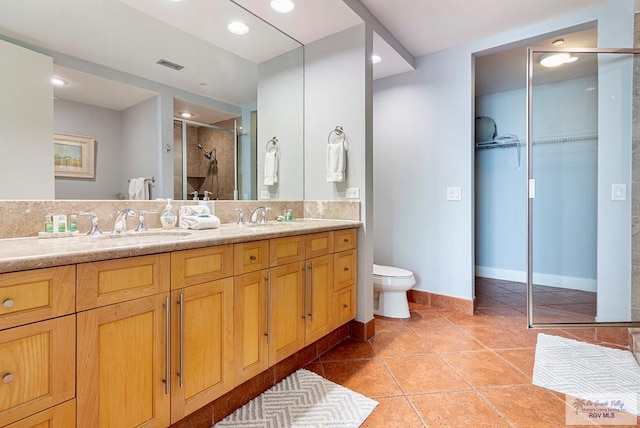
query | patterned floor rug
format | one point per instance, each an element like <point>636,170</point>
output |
<point>586,371</point>
<point>303,399</point>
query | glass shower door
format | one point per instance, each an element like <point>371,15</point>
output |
<point>579,160</point>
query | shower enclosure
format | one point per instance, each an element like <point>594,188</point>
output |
<point>206,159</point>
<point>583,214</point>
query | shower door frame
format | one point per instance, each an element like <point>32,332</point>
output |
<point>233,131</point>
<point>531,188</point>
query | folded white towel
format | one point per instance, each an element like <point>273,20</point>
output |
<point>138,189</point>
<point>197,210</point>
<point>199,222</point>
<point>270,168</point>
<point>336,162</point>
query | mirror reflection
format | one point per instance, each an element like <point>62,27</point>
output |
<point>123,86</point>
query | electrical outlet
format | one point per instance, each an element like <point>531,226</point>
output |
<point>353,193</point>
<point>264,195</point>
<point>454,194</point>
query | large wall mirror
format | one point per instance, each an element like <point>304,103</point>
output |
<point>166,92</point>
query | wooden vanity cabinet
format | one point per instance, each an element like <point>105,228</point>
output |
<point>60,416</point>
<point>37,365</point>
<point>201,345</point>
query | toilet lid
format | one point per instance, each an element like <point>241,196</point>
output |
<point>381,270</point>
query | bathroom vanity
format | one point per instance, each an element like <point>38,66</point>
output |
<point>144,330</point>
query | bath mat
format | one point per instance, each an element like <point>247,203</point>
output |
<point>587,371</point>
<point>303,399</point>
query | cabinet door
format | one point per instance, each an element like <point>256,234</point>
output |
<point>201,345</point>
<point>61,416</point>
<point>37,366</point>
<point>345,269</point>
<point>319,283</point>
<point>286,311</point>
<point>251,352</point>
<point>122,364</point>
<point>36,295</point>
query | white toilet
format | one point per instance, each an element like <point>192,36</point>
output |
<point>390,286</point>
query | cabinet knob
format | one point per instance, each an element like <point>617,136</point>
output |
<point>8,304</point>
<point>7,378</point>
<point>346,268</point>
<point>252,258</point>
<point>345,240</point>
<point>345,305</point>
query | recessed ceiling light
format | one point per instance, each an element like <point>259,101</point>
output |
<point>237,27</point>
<point>186,115</point>
<point>58,81</point>
<point>282,6</point>
<point>558,42</point>
<point>556,60</point>
<point>375,58</point>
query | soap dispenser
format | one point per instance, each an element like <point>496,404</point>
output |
<point>168,218</point>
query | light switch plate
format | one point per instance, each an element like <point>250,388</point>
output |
<point>454,194</point>
<point>618,192</point>
<point>264,194</point>
<point>353,193</point>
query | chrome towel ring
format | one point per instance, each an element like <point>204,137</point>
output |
<point>274,145</point>
<point>339,133</point>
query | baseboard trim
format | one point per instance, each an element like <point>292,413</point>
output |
<point>561,281</point>
<point>455,304</point>
<point>362,331</point>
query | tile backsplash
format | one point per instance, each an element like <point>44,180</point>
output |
<point>24,218</point>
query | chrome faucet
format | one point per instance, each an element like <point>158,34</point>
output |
<point>141,226</point>
<point>94,223</point>
<point>120,225</point>
<point>254,215</point>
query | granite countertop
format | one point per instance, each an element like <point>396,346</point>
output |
<point>17,254</point>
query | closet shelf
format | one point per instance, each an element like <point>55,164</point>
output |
<point>494,144</point>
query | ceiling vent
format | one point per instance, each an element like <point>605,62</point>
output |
<point>170,64</point>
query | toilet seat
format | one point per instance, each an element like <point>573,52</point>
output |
<point>392,276</point>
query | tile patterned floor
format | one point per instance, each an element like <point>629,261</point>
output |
<point>442,368</point>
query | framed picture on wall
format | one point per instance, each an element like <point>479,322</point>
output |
<point>73,156</point>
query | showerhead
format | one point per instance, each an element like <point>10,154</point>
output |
<point>206,153</point>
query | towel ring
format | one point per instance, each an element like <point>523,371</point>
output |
<point>339,133</point>
<point>274,143</point>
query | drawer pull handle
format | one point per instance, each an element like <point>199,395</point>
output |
<point>346,269</point>
<point>345,305</point>
<point>345,240</point>
<point>7,304</point>
<point>252,258</point>
<point>7,378</point>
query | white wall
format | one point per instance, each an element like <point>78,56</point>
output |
<point>104,126</point>
<point>566,175</point>
<point>26,135</point>
<point>338,92</point>
<point>281,115</point>
<point>140,143</point>
<point>423,127</point>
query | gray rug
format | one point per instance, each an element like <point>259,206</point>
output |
<point>586,371</point>
<point>303,399</point>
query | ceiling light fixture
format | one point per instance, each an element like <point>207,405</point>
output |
<point>58,81</point>
<point>556,60</point>
<point>282,6</point>
<point>237,27</point>
<point>558,42</point>
<point>375,59</point>
<point>186,115</point>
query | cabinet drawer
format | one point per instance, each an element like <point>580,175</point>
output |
<point>250,256</point>
<point>114,281</point>
<point>61,416</point>
<point>344,306</point>
<point>36,295</point>
<point>319,244</point>
<point>286,250</point>
<point>191,267</point>
<point>345,239</point>
<point>37,363</point>
<point>346,266</point>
